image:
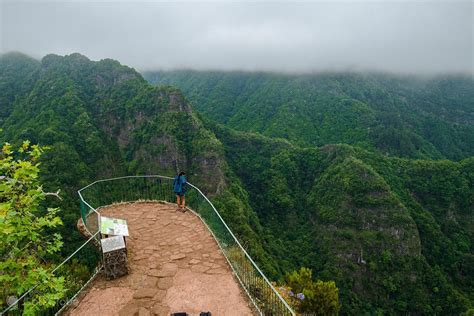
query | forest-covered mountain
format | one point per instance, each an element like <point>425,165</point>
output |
<point>401,116</point>
<point>396,234</point>
<point>102,119</point>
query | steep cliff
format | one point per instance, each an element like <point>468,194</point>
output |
<point>396,234</point>
<point>102,119</point>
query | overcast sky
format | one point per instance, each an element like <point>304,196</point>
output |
<point>397,36</point>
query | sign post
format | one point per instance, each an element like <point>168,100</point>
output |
<point>114,251</point>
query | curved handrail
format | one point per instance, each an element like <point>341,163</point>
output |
<point>243,249</point>
<point>220,218</point>
<point>242,278</point>
<point>52,271</point>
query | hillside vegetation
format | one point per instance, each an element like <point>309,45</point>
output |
<point>395,233</point>
<point>399,116</point>
<point>102,119</point>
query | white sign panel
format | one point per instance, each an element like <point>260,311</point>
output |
<point>113,226</point>
<point>112,243</point>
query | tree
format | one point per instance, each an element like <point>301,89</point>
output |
<point>319,298</point>
<point>25,232</point>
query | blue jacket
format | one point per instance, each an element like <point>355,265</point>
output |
<point>178,184</point>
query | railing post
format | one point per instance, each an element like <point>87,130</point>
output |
<point>131,188</point>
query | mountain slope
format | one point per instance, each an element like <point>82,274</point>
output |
<point>102,119</point>
<point>400,116</point>
<point>396,234</point>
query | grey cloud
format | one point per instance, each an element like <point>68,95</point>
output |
<point>406,37</point>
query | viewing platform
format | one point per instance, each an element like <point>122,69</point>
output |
<point>175,265</point>
<point>177,262</point>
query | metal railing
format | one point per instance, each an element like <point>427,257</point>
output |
<point>77,270</point>
<point>261,292</point>
<point>82,266</point>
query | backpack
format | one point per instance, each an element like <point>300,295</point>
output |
<point>177,184</point>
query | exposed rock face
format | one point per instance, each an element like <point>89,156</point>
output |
<point>122,119</point>
<point>173,141</point>
<point>177,103</point>
<point>157,130</point>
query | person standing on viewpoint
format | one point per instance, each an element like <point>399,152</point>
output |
<point>179,187</point>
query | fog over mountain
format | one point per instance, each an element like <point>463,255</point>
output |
<point>405,37</point>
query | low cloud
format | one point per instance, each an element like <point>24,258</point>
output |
<point>402,36</point>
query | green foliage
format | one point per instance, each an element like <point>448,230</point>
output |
<point>25,240</point>
<point>102,119</point>
<point>386,230</point>
<point>319,298</point>
<point>18,73</point>
<point>395,234</point>
<point>396,115</point>
<point>469,312</point>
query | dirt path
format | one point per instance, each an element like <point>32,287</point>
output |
<point>176,266</point>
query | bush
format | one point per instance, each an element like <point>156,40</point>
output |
<point>307,296</point>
